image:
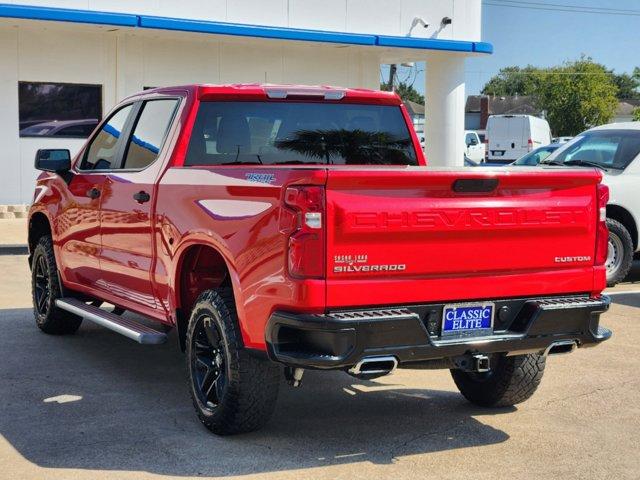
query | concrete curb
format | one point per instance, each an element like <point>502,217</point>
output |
<point>14,249</point>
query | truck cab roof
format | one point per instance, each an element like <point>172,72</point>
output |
<point>268,91</point>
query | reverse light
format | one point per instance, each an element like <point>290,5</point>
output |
<point>530,145</point>
<point>602,233</point>
<point>313,219</point>
<point>306,255</point>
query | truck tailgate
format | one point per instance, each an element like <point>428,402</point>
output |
<point>414,235</point>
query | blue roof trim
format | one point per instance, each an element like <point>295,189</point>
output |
<point>68,15</point>
<point>222,28</point>
<point>425,43</point>
<point>483,47</point>
<point>279,33</point>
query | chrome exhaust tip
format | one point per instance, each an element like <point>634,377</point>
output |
<point>561,347</point>
<point>382,365</point>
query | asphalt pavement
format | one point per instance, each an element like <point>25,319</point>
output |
<point>96,405</point>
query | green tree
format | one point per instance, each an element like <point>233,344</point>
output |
<point>627,84</point>
<point>511,81</point>
<point>636,115</point>
<point>576,96</point>
<point>406,92</point>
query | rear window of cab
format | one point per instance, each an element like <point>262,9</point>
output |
<point>290,133</point>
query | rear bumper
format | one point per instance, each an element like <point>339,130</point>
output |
<point>339,339</point>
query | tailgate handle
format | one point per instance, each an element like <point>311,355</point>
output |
<point>475,185</point>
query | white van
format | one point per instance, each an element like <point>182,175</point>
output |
<point>511,136</point>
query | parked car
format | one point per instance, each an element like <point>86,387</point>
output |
<point>475,150</point>
<point>615,150</point>
<point>62,128</point>
<point>512,136</point>
<point>533,158</point>
<point>257,221</point>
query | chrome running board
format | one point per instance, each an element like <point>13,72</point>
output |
<point>124,326</point>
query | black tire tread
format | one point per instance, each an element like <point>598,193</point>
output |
<point>514,380</point>
<point>57,321</point>
<point>627,261</point>
<point>253,383</point>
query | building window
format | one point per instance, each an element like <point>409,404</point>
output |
<point>58,109</point>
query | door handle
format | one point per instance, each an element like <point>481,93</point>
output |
<point>141,197</point>
<point>93,193</point>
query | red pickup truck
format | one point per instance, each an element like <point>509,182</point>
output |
<point>283,228</point>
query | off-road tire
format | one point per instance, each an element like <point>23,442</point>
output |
<point>249,393</point>
<point>512,380</point>
<point>49,318</point>
<point>626,244</point>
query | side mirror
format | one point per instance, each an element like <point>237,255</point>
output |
<point>53,160</point>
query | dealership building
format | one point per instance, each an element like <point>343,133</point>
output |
<point>65,63</point>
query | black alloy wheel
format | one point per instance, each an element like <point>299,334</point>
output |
<point>46,289</point>
<point>41,285</point>
<point>208,365</point>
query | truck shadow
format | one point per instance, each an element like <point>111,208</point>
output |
<point>98,401</point>
<point>634,273</point>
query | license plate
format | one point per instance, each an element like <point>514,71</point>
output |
<point>498,153</point>
<point>468,319</point>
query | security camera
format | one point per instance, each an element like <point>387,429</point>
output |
<point>418,21</point>
<point>446,21</point>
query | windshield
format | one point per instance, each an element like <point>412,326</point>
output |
<point>534,158</point>
<point>605,148</point>
<point>279,133</point>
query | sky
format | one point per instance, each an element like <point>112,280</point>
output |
<point>522,36</point>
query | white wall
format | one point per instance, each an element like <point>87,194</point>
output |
<point>10,181</point>
<point>125,61</point>
<point>42,54</point>
<point>388,17</point>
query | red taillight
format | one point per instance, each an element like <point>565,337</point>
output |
<point>530,145</point>
<point>306,242</point>
<point>602,234</point>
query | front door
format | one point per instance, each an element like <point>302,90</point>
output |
<point>127,206</point>
<point>78,225</point>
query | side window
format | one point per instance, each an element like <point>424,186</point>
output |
<point>103,149</point>
<point>149,133</point>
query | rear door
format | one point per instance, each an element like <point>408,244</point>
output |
<point>519,134</point>
<point>127,201</point>
<point>407,235</point>
<point>500,132</point>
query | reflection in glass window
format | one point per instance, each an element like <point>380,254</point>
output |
<point>289,133</point>
<point>58,109</point>
<point>149,132</point>
<point>102,151</point>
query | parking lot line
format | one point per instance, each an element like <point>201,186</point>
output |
<point>622,292</point>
